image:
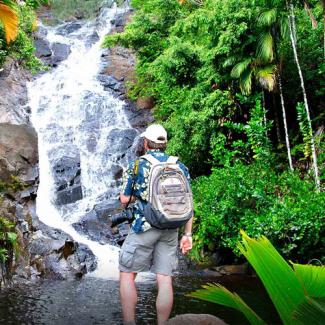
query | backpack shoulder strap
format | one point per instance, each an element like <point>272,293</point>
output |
<point>172,160</point>
<point>153,161</point>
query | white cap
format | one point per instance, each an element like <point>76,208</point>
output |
<point>155,133</point>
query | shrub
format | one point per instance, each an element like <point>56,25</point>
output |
<point>261,201</point>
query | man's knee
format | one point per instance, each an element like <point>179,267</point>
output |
<point>164,280</point>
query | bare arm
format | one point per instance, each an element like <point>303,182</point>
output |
<point>186,241</point>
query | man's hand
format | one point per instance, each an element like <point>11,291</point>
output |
<point>185,244</point>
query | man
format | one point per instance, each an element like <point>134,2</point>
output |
<point>148,248</point>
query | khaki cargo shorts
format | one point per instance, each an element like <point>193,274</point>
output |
<point>152,250</point>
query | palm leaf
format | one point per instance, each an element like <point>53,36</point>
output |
<point>311,311</point>
<point>278,277</point>
<point>284,27</point>
<point>220,295</point>
<point>9,19</point>
<point>265,47</point>
<point>245,81</point>
<point>266,76</point>
<point>312,279</point>
<point>267,18</point>
<point>239,68</point>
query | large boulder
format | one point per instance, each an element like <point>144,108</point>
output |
<point>196,319</point>
<point>67,179</point>
<point>96,224</point>
<point>18,152</point>
<point>54,254</point>
<point>13,94</point>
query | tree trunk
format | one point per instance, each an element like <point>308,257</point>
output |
<point>292,28</point>
<point>284,121</point>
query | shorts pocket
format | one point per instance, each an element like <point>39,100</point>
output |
<point>127,255</point>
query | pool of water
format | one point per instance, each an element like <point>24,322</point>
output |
<point>96,301</point>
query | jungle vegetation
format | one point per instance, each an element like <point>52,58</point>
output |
<point>239,85</point>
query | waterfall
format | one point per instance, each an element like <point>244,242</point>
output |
<point>75,117</point>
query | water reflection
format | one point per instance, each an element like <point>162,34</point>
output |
<point>96,301</point>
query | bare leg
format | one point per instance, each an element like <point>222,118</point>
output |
<point>128,295</point>
<point>165,298</point>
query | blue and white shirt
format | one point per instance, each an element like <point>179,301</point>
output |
<point>141,186</point>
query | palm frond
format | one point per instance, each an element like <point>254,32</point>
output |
<point>265,47</point>
<point>312,279</point>
<point>268,17</point>
<point>220,295</point>
<point>245,81</point>
<point>311,311</point>
<point>284,28</point>
<point>9,19</point>
<point>276,274</point>
<point>266,76</point>
<point>229,62</point>
<point>239,68</point>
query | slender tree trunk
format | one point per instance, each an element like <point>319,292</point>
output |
<point>264,111</point>
<point>292,27</point>
<point>276,118</point>
<point>284,120</point>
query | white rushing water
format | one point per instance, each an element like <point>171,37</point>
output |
<point>73,115</point>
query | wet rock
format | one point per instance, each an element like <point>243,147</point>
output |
<point>117,171</point>
<point>92,39</point>
<point>56,255</point>
<point>106,208</point>
<point>18,150</point>
<point>122,140</point>
<point>97,229</point>
<point>67,180</point>
<point>43,49</point>
<point>60,53</point>
<point>107,81</point>
<point>195,319</point>
<point>13,93</point>
<point>69,28</point>
<point>96,224</point>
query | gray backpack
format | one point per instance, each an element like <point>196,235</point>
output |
<point>170,200</point>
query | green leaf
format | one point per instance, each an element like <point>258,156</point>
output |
<point>311,311</point>
<point>220,295</point>
<point>246,81</point>
<point>265,47</point>
<point>11,236</point>
<point>240,67</point>
<point>267,18</point>
<point>312,279</point>
<point>278,277</point>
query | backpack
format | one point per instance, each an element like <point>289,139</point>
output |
<point>170,200</point>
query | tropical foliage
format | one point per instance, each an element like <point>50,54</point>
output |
<point>222,74</point>
<point>17,22</point>
<point>297,291</point>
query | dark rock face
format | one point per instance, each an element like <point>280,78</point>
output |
<point>96,224</point>
<point>13,94</point>
<point>43,49</point>
<point>67,179</point>
<point>50,54</point>
<point>60,53</point>
<point>18,152</point>
<point>54,254</point>
<point>69,28</point>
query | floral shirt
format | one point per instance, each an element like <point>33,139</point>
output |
<point>141,187</point>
